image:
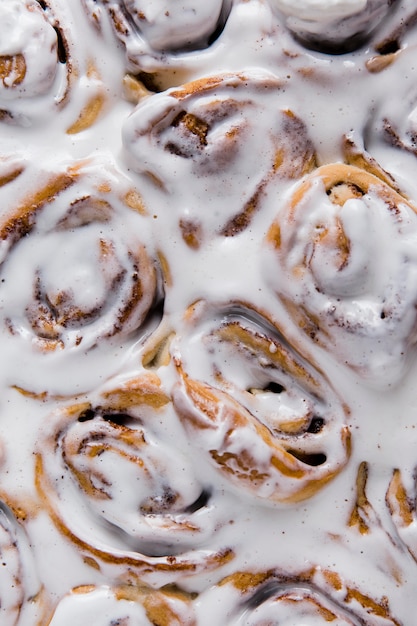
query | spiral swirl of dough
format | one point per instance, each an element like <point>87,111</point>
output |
<point>90,276</point>
<point>28,51</point>
<point>345,246</point>
<point>106,462</point>
<point>316,597</point>
<point>207,133</point>
<point>43,68</point>
<point>271,426</point>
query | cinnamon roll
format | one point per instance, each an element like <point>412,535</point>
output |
<point>79,276</point>
<point>29,51</point>
<point>270,424</point>
<point>341,256</point>
<point>19,583</point>
<point>337,27</point>
<point>105,465</point>
<point>207,133</point>
<point>316,597</point>
<point>90,276</point>
<point>163,33</point>
<point>129,606</point>
<point>43,68</point>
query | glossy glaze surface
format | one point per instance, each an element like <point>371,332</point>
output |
<point>208,313</point>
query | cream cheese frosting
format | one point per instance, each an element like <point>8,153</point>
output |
<point>208,313</point>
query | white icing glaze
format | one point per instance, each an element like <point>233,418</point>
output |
<point>352,266</point>
<point>170,25</point>
<point>25,31</point>
<point>331,23</point>
<point>105,606</point>
<point>100,607</point>
<point>209,132</point>
<point>349,546</point>
<point>43,68</point>
<point>277,602</point>
<point>85,282</point>
<point>321,10</point>
<point>18,579</point>
<point>260,379</point>
<point>150,508</point>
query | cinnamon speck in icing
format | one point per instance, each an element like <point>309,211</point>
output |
<point>208,271</point>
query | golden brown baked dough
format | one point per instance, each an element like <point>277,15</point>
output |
<point>85,205</point>
<point>206,132</point>
<point>277,431</point>
<point>97,450</point>
<point>356,303</point>
<point>319,596</point>
<point>47,68</point>
<point>127,605</point>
